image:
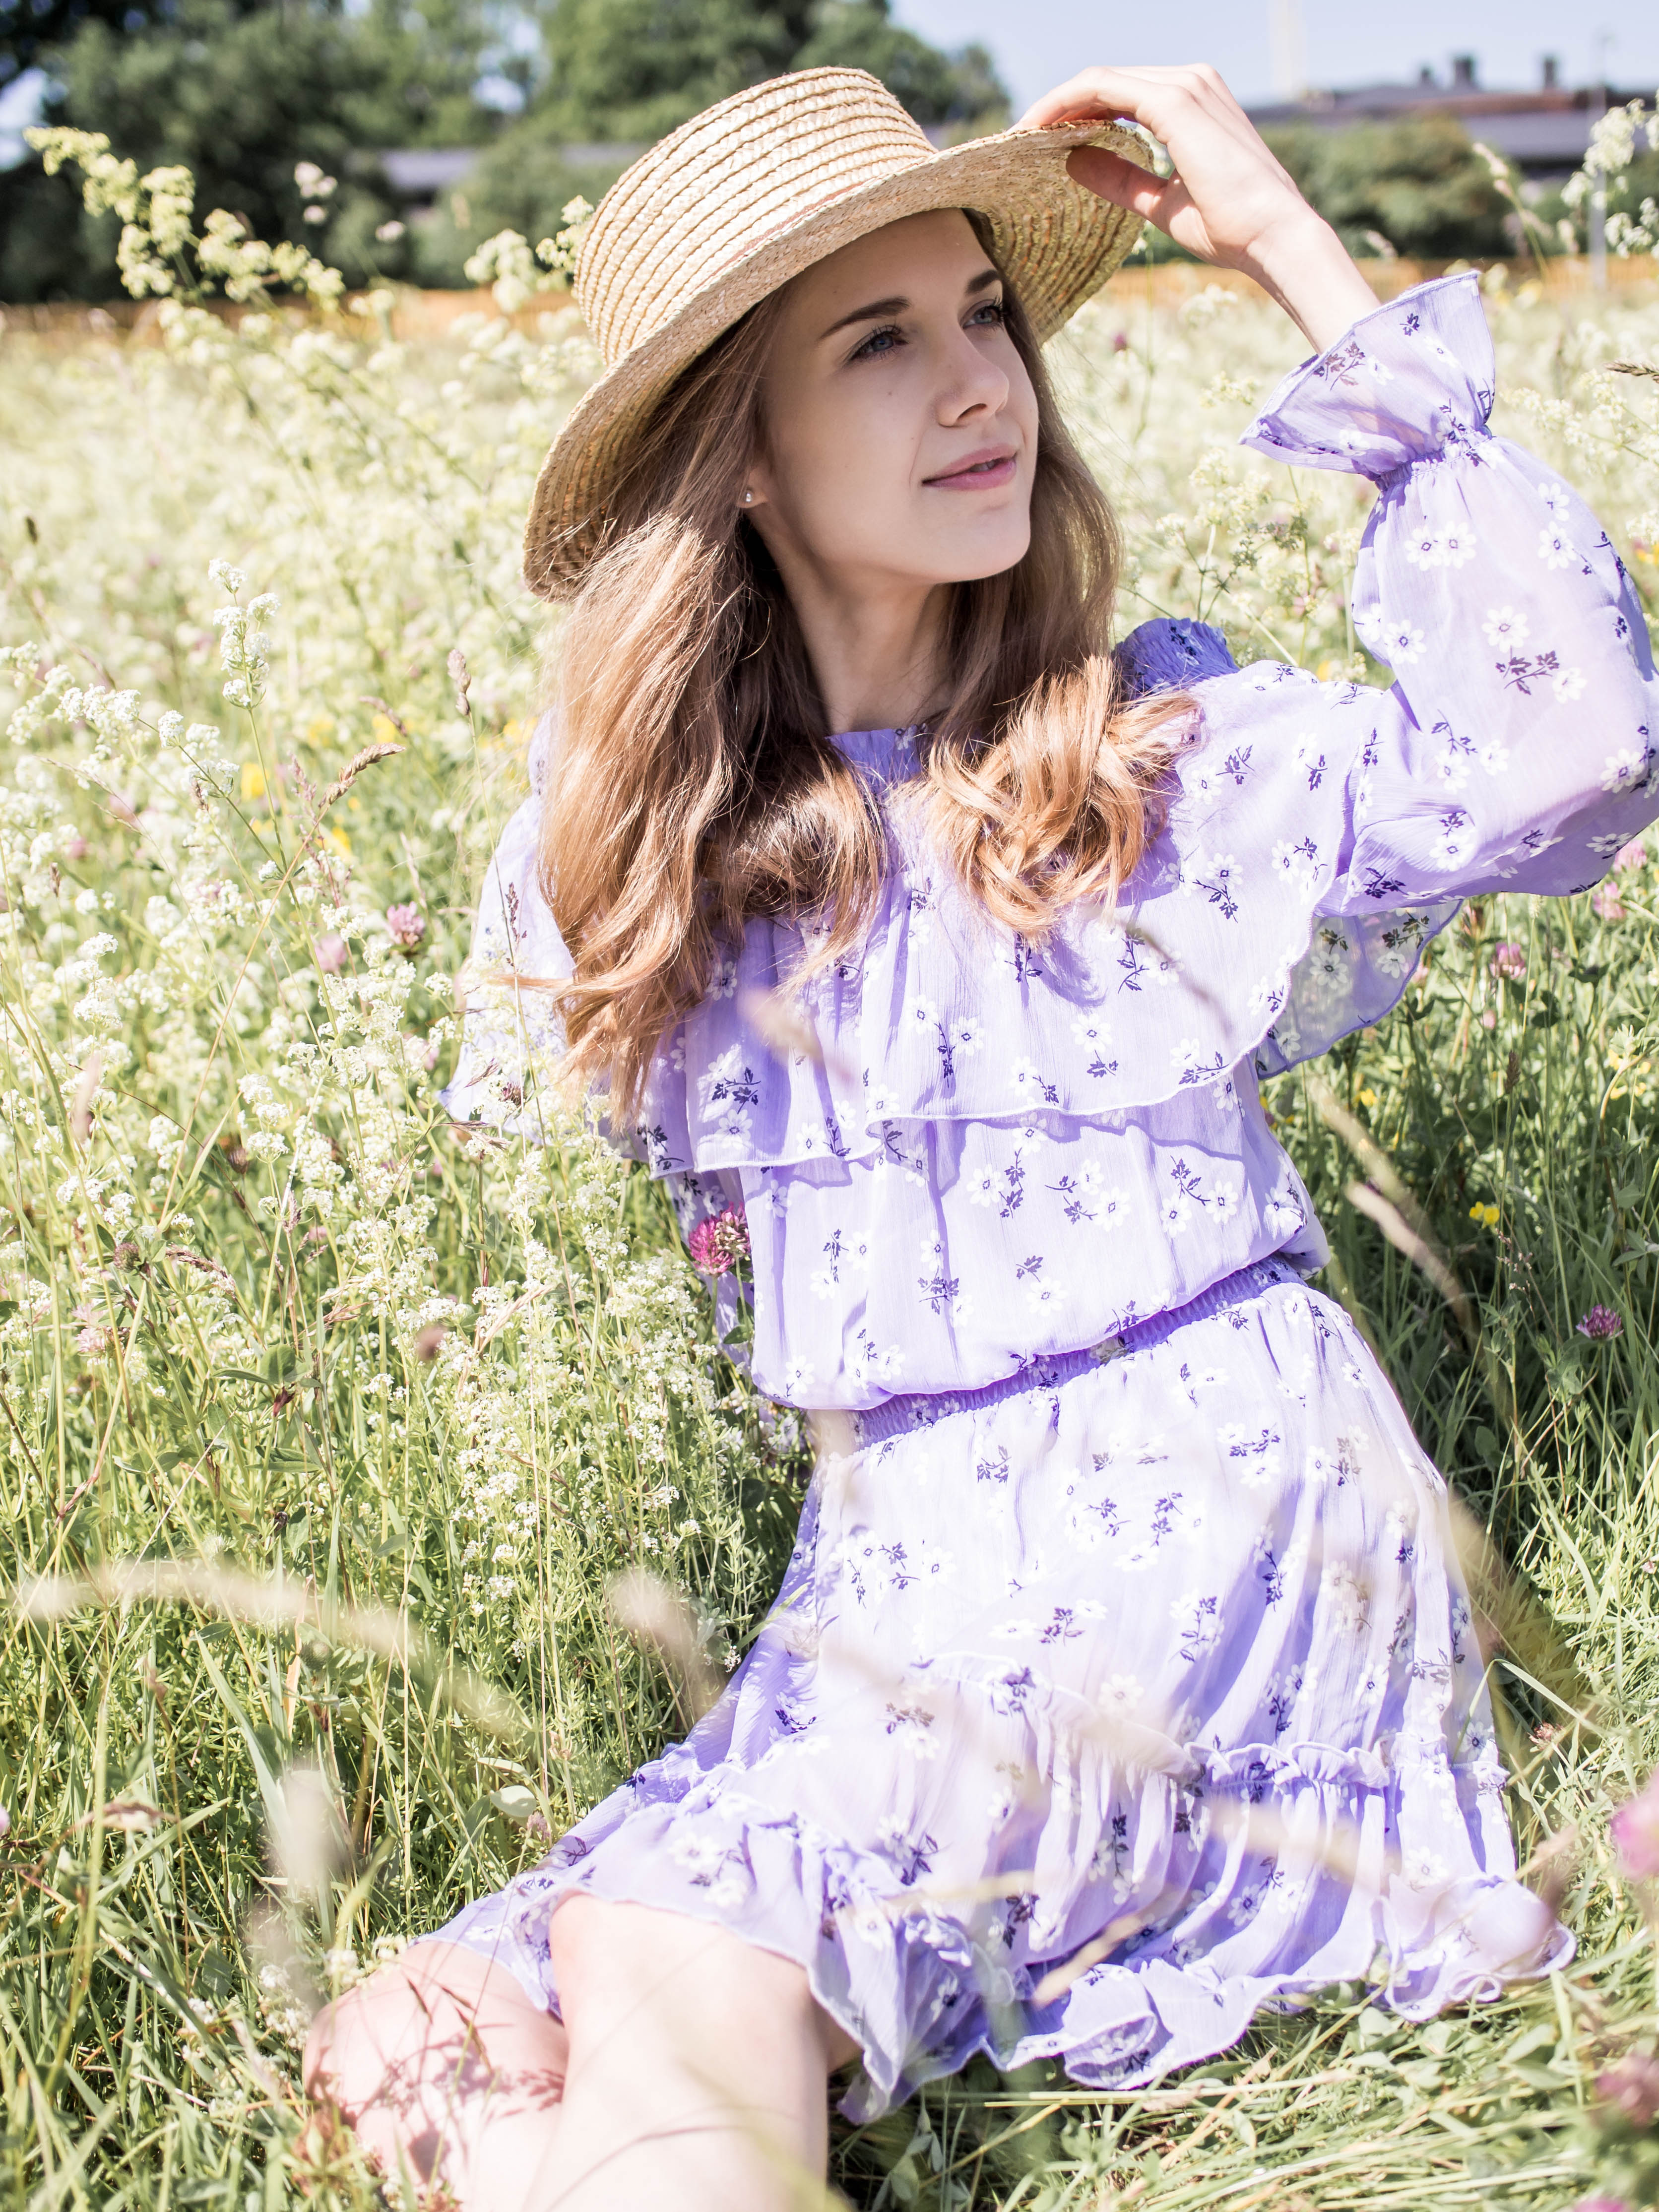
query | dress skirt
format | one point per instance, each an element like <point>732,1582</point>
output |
<point>1096,1712</point>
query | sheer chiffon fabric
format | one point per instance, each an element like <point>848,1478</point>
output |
<point>1106,1702</point>
<point>1173,1657</point>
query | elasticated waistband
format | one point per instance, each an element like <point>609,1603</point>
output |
<point>900,1417</point>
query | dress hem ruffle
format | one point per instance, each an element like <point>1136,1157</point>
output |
<point>1121,2025</point>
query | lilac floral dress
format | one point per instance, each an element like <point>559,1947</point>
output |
<point>1122,1681</point>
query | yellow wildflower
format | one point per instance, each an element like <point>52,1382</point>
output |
<point>1368,1098</point>
<point>319,727</point>
<point>383,729</point>
<point>1488,1214</point>
<point>340,841</point>
<point>253,782</point>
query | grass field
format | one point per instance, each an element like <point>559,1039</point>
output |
<point>323,1430</point>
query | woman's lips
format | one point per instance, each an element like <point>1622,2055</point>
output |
<point>980,472</point>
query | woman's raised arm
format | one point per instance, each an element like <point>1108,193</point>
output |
<point>1228,202</point>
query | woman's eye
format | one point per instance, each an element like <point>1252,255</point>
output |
<point>879,342</point>
<point>988,317</point>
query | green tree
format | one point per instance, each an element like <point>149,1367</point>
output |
<point>624,72</point>
<point>1418,183</point>
<point>240,97</point>
<point>239,91</point>
<point>632,69</point>
<point>940,89</point>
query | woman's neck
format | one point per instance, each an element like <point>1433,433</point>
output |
<point>876,653</point>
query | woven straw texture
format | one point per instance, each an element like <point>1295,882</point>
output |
<point>745,196</point>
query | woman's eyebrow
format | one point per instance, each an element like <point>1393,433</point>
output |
<point>896,305</point>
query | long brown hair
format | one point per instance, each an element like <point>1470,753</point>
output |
<point>694,784</point>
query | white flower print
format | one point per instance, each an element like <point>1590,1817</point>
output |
<point>1348,1602</point>
<point>1422,1870</point>
<point>1441,549</point>
<point>697,1853</point>
<point>920,896</point>
<point>1226,1202</point>
<point>1197,1616</point>
<point>799,1377</point>
<point>1505,626</point>
<point>1454,840</point>
<point>1030,1081</point>
<point>1111,1207</point>
<point>1455,759</point>
<point>1553,549</point>
<point>1567,684</point>
<point>1177,1213</point>
<point>942,1292</point>
<point>1624,769</point>
<point>1493,754</point>
<point>1297,860</point>
<point>1094,1034</point>
<point>1556,497</point>
<point>724,983</point>
<point>1123,1694</point>
<point>869,1362</point>
<point>983,1187</point>
<point>1400,643</point>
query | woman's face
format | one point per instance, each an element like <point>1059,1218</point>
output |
<point>900,425</point>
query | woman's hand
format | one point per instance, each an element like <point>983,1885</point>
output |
<point>1229,201</point>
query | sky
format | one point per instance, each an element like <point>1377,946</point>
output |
<point>1344,44</point>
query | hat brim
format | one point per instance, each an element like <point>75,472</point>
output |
<point>1055,241</point>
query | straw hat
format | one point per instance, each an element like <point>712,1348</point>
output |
<point>745,196</point>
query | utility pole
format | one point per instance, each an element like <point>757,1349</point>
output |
<point>1289,48</point>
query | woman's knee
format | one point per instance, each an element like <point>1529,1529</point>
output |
<point>353,2042</point>
<point>378,2039</point>
<point>614,1961</point>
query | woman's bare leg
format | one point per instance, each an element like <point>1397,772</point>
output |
<point>445,2070</point>
<point>698,2065</point>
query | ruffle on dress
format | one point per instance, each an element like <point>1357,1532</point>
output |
<point>1164,1678</point>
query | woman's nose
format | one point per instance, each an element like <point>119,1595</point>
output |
<point>971,381</point>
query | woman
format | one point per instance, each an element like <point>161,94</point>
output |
<point>1122,1681</point>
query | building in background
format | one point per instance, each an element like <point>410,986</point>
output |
<point>1542,134</point>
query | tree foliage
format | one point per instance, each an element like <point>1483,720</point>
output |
<point>239,92</point>
<point>1418,183</point>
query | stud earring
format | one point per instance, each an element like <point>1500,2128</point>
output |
<point>748,498</point>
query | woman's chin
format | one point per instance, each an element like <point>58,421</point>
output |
<point>973,556</point>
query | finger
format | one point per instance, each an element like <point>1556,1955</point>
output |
<point>1125,182</point>
<point>1091,93</point>
<point>1141,93</point>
